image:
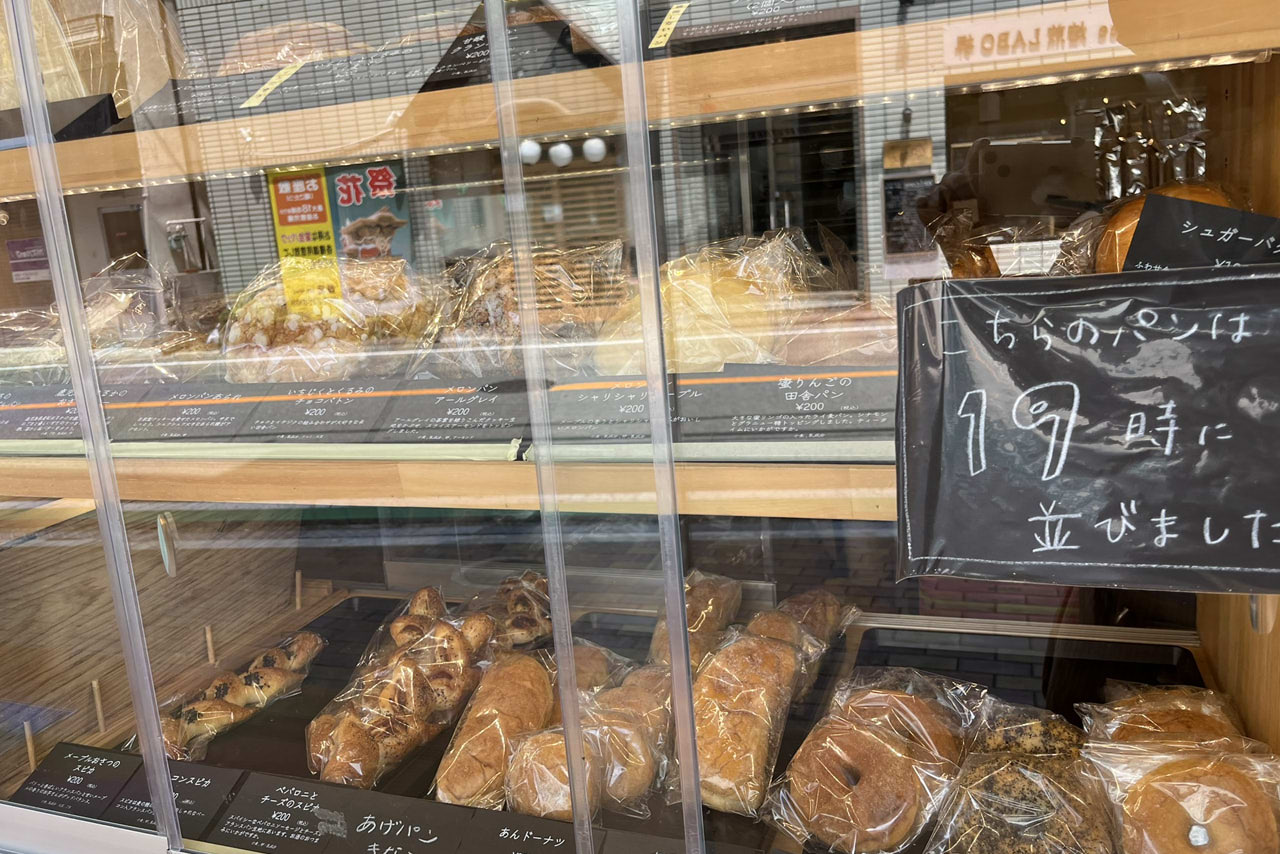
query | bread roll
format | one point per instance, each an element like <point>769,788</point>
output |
<point>818,610</point>
<point>1113,246</point>
<point>629,758</point>
<point>595,668</point>
<point>514,698</point>
<point>711,603</point>
<point>645,694</point>
<point>740,702</point>
<point>537,781</point>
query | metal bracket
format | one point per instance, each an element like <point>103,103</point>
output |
<point>167,534</point>
<point>1262,613</point>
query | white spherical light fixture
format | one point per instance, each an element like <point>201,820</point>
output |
<point>530,152</point>
<point>561,154</point>
<point>594,149</point>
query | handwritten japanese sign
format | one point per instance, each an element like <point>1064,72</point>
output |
<point>1178,233</point>
<point>1116,430</point>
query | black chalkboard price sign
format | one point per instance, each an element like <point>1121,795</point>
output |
<point>77,780</point>
<point>1104,431</point>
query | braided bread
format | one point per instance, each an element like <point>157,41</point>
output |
<point>236,695</point>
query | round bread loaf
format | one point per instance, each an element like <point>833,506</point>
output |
<point>852,789</point>
<point>538,776</point>
<point>1198,806</point>
<point>1113,247</point>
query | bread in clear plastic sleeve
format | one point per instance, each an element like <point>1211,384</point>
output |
<point>808,621</point>
<point>645,693</point>
<point>1168,714</point>
<point>741,697</point>
<point>596,668</point>
<point>479,330</point>
<point>537,777</point>
<point>514,699</point>
<point>622,765</point>
<point>521,607</point>
<point>711,603</point>
<point>1006,803</point>
<point>1015,728</point>
<point>1184,800</point>
<point>188,725</point>
<point>929,709</point>
<point>732,302</point>
<point>348,319</point>
<point>856,787</point>
<point>412,681</point>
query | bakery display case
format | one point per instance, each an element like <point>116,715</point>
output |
<point>744,427</point>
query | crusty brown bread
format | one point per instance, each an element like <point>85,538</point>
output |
<point>514,698</point>
<point>711,603</point>
<point>740,702</point>
<point>537,781</point>
<point>818,610</point>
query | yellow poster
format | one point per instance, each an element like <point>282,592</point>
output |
<point>304,239</point>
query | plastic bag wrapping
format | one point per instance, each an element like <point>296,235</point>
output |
<point>1168,801</point>
<point>741,697</point>
<point>234,696</point>
<point>336,320</point>
<point>856,787</point>
<point>62,77</point>
<point>840,329</point>
<point>1167,713</point>
<point>480,326</point>
<point>710,603</point>
<point>173,356</point>
<point>521,608</point>
<point>146,54</point>
<point>31,351</point>
<point>645,694</point>
<point>282,45</point>
<point>622,764</point>
<point>514,699</point>
<point>596,668</point>
<point>936,712</point>
<point>1006,802</point>
<point>808,621</point>
<point>730,302</point>
<point>1003,727</point>
<point>411,682</point>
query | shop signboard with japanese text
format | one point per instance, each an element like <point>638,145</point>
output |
<point>1115,431</point>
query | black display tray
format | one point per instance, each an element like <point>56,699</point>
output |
<point>1051,672</point>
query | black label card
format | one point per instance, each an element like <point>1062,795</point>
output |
<point>77,780</point>
<point>1114,430</point>
<point>317,412</point>
<point>199,792</point>
<point>743,402</point>
<point>493,832</point>
<point>904,232</point>
<point>42,412</point>
<point>626,842</point>
<point>1175,233</point>
<point>391,824</point>
<point>426,411</point>
<point>280,814</point>
<point>188,412</point>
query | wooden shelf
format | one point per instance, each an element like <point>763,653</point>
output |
<point>803,491</point>
<point>872,63</point>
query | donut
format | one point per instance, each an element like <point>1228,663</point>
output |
<point>1198,806</point>
<point>1012,804</point>
<point>914,718</point>
<point>854,787</point>
<point>1014,729</point>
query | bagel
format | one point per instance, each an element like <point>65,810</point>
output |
<point>854,787</point>
<point>913,718</point>
<point>1198,806</point>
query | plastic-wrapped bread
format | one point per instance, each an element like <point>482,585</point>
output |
<point>854,787</point>
<point>595,667</point>
<point>235,696</point>
<point>1164,713</point>
<point>537,780</point>
<point>818,610</point>
<point>740,702</point>
<point>1003,727</point>
<point>514,698</point>
<point>411,683</point>
<point>521,608</point>
<point>646,694</point>
<point>711,603</point>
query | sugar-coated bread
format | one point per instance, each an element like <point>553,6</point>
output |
<point>740,702</point>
